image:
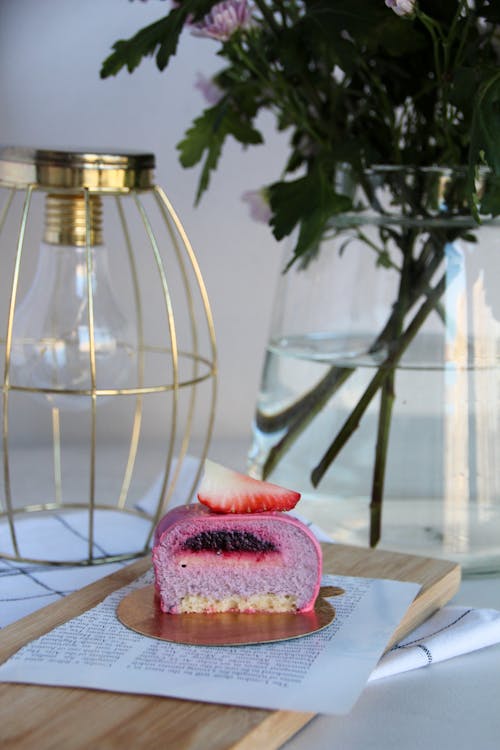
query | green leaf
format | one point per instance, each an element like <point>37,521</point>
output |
<point>486,124</point>
<point>208,133</point>
<point>490,201</point>
<point>399,39</point>
<point>130,52</point>
<point>384,260</point>
<point>463,87</point>
<point>491,14</point>
<point>469,237</point>
<point>354,16</point>
<point>484,145</point>
<point>162,35</point>
<point>309,202</point>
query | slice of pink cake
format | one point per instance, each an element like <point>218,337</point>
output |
<point>235,562</point>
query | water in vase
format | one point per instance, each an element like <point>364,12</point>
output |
<point>442,487</point>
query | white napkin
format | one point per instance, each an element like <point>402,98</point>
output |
<point>452,631</point>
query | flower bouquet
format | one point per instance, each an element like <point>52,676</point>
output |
<point>412,84</point>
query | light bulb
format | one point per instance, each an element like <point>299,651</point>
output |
<point>50,334</point>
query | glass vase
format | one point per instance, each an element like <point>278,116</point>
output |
<point>380,391</point>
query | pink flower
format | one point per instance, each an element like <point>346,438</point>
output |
<point>260,210</point>
<point>402,7</point>
<point>223,20</point>
<point>212,93</point>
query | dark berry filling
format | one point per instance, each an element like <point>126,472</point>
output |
<point>225,540</point>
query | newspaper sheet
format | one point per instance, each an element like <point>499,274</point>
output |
<point>324,672</point>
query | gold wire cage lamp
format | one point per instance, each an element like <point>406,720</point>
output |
<point>109,358</point>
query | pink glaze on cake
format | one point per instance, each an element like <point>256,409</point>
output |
<point>206,561</point>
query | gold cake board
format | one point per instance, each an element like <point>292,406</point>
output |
<point>39,717</point>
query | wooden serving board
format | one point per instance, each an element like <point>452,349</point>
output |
<point>33,716</point>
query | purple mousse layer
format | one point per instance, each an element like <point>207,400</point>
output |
<point>199,552</point>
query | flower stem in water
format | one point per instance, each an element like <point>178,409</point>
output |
<point>385,369</point>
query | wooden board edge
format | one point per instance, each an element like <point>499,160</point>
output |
<point>273,731</point>
<point>423,606</point>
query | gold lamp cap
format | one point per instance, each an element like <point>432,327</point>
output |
<point>93,169</point>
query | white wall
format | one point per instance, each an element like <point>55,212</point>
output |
<point>51,95</point>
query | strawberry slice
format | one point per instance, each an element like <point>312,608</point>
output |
<point>226,491</point>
